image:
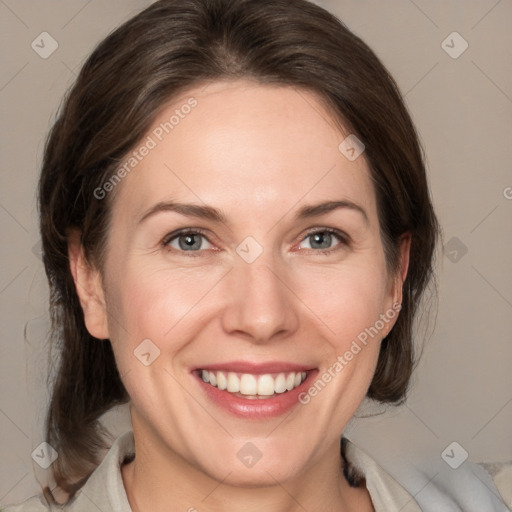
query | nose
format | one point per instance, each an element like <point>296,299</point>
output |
<point>261,306</point>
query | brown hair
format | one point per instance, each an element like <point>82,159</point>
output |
<point>163,51</point>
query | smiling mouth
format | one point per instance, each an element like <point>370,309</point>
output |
<point>253,386</point>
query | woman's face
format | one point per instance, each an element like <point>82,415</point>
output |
<point>277,290</point>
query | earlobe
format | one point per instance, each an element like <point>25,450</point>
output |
<point>88,286</point>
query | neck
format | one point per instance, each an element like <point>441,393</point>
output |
<point>161,480</point>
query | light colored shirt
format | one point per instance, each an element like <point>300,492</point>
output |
<point>479,488</point>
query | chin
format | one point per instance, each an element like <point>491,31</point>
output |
<point>251,466</point>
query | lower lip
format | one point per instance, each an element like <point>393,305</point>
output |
<point>257,408</point>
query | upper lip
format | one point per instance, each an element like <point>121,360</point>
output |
<point>255,368</point>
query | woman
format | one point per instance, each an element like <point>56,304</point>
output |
<point>237,233</point>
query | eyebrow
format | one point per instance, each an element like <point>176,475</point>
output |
<point>189,210</point>
<point>216,215</point>
<point>329,206</point>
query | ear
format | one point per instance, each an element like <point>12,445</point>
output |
<point>89,288</point>
<point>397,280</point>
<point>403,255</point>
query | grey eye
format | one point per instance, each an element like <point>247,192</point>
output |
<point>320,240</point>
<point>189,242</point>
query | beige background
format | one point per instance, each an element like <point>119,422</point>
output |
<point>462,390</point>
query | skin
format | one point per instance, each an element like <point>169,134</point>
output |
<point>258,153</point>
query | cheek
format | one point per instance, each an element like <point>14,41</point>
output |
<point>349,306</point>
<point>157,303</point>
<point>346,300</point>
<point>154,314</point>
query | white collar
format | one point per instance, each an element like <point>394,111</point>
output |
<point>105,488</point>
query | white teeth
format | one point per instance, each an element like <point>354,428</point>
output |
<point>254,385</point>
<point>290,381</point>
<point>233,383</point>
<point>266,385</point>
<point>248,384</point>
<point>280,383</point>
<point>222,382</point>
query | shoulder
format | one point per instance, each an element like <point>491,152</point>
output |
<point>501,474</point>
<point>33,504</point>
<point>387,494</point>
<point>430,486</point>
<point>104,490</point>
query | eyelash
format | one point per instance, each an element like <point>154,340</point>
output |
<point>343,238</point>
<point>183,232</point>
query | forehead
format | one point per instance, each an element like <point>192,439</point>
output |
<point>242,144</point>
